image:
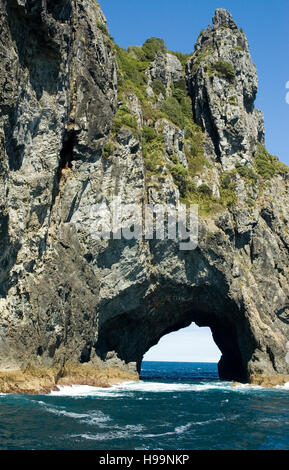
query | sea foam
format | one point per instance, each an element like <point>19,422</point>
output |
<point>126,388</point>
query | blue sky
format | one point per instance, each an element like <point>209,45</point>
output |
<point>191,344</point>
<point>266,24</point>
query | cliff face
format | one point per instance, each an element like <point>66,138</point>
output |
<point>83,121</point>
<point>226,110</point>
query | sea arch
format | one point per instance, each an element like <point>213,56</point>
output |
<point>131,334</point>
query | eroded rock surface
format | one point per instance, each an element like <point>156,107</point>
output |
<point>68,299</point>
<point>223,83</point>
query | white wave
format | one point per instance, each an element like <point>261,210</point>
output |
<point>134,427</point>
<point>74,390</point>
<point>246,388</point>
<point>95,417</point>
<point>283,387</point>
<point>124,389</point>
<point>123,433</point>
<point>184,428</point>
<point>209,421</point>
<point>92,418</point>
<point>169,433</point>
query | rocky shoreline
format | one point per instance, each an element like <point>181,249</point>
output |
<point>43,381</point>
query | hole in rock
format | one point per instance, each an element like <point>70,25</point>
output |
<point>66,154</point>
<point>189,345</point>
<point>163,337</point>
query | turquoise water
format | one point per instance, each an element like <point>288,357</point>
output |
<point>174,406</point>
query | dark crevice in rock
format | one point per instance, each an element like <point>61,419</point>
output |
<point>67,151</point>
<point>283,314</point>
<point>14,150</point>
<point>89,257</point>
<point>242,239</point>
<point>267,216</point>
<point>231,366</point>
<point>85,354</point>
<point>271,356</point>
<point>66,158</point>
<point>203,117</point>
<point>249,103</point>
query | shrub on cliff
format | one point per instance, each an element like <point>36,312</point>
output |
<point>124,119</point>
<point>149,135</point>
<point>182,179</point>
<point>204,189</point>
<point>268,165</point>
<point>159,88</point>
<point>172,108</point>
<point>246,172</point>
<point>131,69</point>
<point>225,69</point>
<point>152,46</point>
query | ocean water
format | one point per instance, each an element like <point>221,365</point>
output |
<point>174,406</point>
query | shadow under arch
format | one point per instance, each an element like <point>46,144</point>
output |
<point>131,334</point>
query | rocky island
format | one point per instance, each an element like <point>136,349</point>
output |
<point>82,121</point>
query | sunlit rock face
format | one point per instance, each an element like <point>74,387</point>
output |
<point>223,83</point>
<point>68,299</point>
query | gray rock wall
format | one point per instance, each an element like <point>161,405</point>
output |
<point>223,83</point>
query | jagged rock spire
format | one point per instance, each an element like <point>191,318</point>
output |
<point>223,18</point>
<point>223,84</point>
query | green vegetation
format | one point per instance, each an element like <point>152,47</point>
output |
<point>153,151</point>
<point>268,165</point>
<point>173,110</point>
<point>152,46</point>
<point>176,107</point>
<point>233,100</point>
<point>246,172</point>
<point>225,69</point>
<point>148,135</point>
<point>108,149</point>
<point>181,86</point>
<point>124,118</point>
<point>204,189</point>
<point>227,191</point>
<point>102,27</point>
<point>200,57</point>
<point>159,88</point>
<point>131,71</point>
<point>250,202</point>
<point>150,113</point>
<point>182,179</point>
